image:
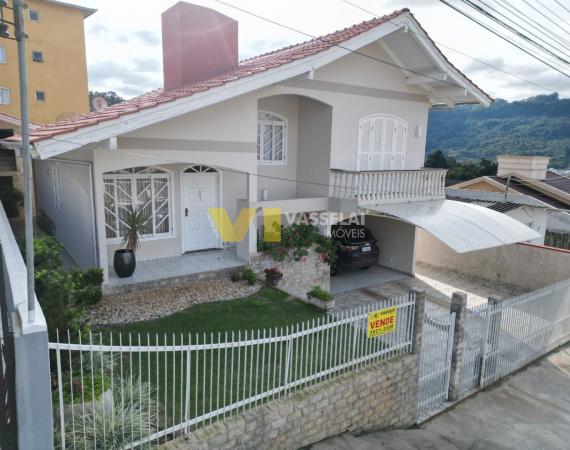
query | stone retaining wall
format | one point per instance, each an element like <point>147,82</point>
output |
<point>298,276</point>
<point>377,397</point>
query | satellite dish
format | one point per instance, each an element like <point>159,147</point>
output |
<point>99,103</point>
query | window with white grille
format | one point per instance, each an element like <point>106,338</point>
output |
<point>2,54</point>
<point>4,96</point>
<point>271,139</point>
<point>382,141</point>
<point>146,189</point>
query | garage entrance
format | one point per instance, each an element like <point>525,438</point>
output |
<point>396,241</point>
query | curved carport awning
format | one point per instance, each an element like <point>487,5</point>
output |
<point>463,227</point>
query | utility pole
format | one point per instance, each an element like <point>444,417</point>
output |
<point>20,36</point>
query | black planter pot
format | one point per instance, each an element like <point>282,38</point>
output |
<point>124,262</point>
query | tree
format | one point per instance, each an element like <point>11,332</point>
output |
<point>460,171</point>
<point>436,160</point>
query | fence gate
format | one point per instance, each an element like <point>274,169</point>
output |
<point>521,329</point>
<point>435,362</point>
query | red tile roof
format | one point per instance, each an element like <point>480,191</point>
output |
<point>245,68</point>
<point>16,120</point>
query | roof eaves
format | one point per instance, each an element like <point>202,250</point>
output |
<point>262,66</point>
<point>459,72</point>
<point>86,11</point>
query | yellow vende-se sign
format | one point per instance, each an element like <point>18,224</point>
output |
<point>382,322</point>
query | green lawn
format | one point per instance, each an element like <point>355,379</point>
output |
<point>217,377</point>
<point>221,377</point>
<point>267,308</point>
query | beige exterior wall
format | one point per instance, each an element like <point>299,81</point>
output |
<point>523,265</point>
<point>286,106</point>
<point>396,240</point>
<point>63,75</point>
<point>535,218</point>
<point>479,186</point>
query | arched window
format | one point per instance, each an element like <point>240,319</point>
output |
<point>382,141</point>
<point>147,189</point>
<point>200,169</point>
<point>271,138</point>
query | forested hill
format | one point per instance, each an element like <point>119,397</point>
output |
<point>535,126</point>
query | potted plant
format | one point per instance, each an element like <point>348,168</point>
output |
<point>124,260</point>
<point>273,276</point>
<point>320,298</point>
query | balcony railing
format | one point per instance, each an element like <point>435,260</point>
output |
<point>388,186</point>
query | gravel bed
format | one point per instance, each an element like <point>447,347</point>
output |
<point>147,304</point>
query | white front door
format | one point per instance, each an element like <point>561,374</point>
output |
<point>200,191</point>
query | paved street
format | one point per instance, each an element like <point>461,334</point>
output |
<point>529,410</point>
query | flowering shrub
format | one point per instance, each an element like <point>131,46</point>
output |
<point>298,239</point>
<point>273,272</point>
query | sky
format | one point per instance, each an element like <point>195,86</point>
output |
<point>124,52</point>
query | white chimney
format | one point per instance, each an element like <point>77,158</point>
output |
<point>532,167</point>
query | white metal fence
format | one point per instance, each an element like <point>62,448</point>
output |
<point>435,362</point>
<point>503,336</point>
<point>471,357</point>
<point>521,329</point>
<point>499,337</point>
<point>118,391</point>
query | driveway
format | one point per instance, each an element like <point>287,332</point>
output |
<point>360,287</point>
<point>528,410</point>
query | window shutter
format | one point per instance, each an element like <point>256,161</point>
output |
<point>363,144</point>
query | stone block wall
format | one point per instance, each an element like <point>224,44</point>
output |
<point>377,397</point>
<point>299,277</point>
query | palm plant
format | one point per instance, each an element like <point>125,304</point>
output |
<point>137,223</point>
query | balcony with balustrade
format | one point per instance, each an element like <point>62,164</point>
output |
<point>387,186</point>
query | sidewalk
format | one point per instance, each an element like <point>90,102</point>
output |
<point>529,410</point>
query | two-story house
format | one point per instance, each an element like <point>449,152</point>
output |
<point>336,124</point>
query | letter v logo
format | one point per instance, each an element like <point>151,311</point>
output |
<point>228,231</point>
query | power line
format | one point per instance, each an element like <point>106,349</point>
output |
<point>505,4</point>
<point>334,45</point>
<point>458,51</point>
<point>290,180</point>
<point>562,6</point>
<point>463,13</point>
<point>551,12</point>
<point>545,16</point>
<point>514,30</point>
<point>545,59</point>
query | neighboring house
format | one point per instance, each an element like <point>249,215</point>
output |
<point>57,74</point>
<point>533,213</point>
<point>10,165</point>
<point>336,124</point>
<point>56,62</point>
<point>530,176</point>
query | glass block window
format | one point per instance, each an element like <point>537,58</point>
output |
<point>271,139</point>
